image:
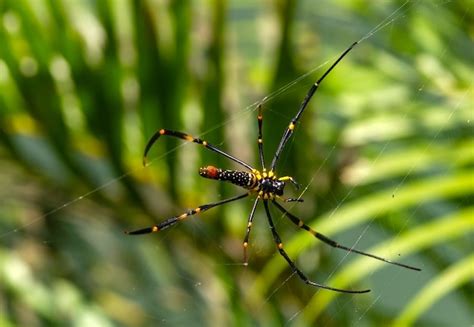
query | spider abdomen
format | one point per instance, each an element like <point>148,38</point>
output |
<point>243,179</point>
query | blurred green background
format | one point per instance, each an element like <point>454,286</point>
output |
<point>385,153</point>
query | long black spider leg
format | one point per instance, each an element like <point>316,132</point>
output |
<point>190,138</point>
<point>249,228</point>
<point>289,131</point>
<point>300,274</point>
<point>295,220</point>
<point>173,220</point>
<point>260,138</point>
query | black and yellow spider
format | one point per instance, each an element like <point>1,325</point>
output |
<point>264,184</point>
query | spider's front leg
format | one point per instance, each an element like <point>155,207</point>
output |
<point>291,180</point>
<point>290,262</point>
<point>295,184</point>
<point>298,222</point>
<point>291,199</point>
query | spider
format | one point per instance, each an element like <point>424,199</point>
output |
<point>264,184</point>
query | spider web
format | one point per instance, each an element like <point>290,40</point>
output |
<point>247,116</point>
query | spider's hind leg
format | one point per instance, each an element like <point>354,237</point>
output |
<point>249,228</point>
<point>174,220</point>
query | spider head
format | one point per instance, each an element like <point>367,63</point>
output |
<point>273,186</point>
<point>279,186</point>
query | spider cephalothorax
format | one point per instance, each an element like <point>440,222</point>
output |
<point>270,187</point>
<point>264,185</point>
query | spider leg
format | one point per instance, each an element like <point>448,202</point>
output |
<point>295,220</point>
<point>260,137</point>
<point>190,138</point>
<point>283,253</point>
<point>173,220</point>
<point>249,228</point>
<point>289,131</point>
<point>292,180</point>
<point>291,199</point>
